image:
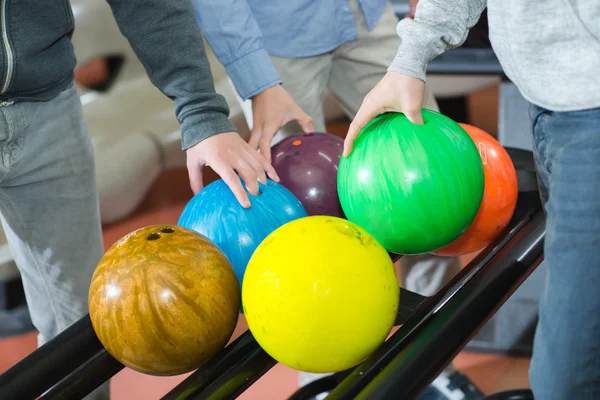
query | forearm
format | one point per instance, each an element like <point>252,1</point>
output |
<point>167,41</point>
<point>235,36</point>
<point>438,25</point>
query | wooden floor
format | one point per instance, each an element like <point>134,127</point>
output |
<point>163,204</point>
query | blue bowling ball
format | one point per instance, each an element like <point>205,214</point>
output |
<point>215,213</point>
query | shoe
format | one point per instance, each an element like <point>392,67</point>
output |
<point>15,321</point>
<point>454,386</point>
<point>305,378</point>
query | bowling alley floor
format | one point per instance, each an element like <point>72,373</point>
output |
<point>163,204</point>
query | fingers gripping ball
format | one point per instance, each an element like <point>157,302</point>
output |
<point>320,294</point>
<point>415,188</point>
<point>164,300</point>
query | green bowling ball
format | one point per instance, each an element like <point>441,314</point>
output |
<point>415,188</point>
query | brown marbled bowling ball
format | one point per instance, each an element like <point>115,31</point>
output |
<point>164,300</point>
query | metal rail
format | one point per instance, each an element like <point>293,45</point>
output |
<point>52,362</point>
<point>434,329</point>
<point>421,349</point>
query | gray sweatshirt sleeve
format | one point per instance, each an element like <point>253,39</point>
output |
<point>166,39</point>
<point>438,25</point>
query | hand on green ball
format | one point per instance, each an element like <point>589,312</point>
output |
<point>395,92</point>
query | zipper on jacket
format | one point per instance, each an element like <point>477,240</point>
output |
<point>7,49</point>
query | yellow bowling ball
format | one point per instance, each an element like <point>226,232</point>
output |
<point>320,294</point>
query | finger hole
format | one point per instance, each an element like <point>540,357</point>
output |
<point>232,180</point>
<point>257,162</point>
<point>250,179</point>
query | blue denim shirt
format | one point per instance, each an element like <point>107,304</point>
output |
<point>243,33</point>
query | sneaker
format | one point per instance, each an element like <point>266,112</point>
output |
<point>454,386</point>
<point>15,321</point>
<point>305,378</point>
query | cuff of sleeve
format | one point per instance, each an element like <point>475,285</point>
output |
<point>196,127</point>
<point>405,63</point>
<point>253,73</point>
<point>418,46</point>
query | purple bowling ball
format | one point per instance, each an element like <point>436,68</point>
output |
<point>307,165</point>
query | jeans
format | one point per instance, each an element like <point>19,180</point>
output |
<point>49,208</point>
<point>566,355</point>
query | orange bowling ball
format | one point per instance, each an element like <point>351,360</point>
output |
<point>164,300</point>
<point>499,196</point>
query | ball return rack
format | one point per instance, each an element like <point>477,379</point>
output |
<point>433,330</point>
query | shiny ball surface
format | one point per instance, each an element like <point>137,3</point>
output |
<point>307,165</point>
<point>215,213</point>
<point>320,294</point>
<point>415,188</point>
<point>163,300</point>
<point>499,197</point>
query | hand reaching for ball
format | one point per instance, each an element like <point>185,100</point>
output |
<point>395,92</point>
